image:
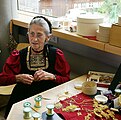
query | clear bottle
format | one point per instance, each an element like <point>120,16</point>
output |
<point>113,13</point>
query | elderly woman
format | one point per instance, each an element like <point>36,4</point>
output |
<point>36,68</point>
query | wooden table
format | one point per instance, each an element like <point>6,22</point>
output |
<point>16,112</point>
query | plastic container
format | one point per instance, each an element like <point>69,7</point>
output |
<point>87,25</point>
<point>103,33</point>
<point>89,88</point>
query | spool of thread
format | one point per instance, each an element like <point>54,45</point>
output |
<point>36,116</point>
<point>27,104</point>
<point>38,101</point>
<point>50,108</point>
<point>117,92</point>
<point>27,113</point>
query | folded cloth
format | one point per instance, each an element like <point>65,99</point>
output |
<point>85,105</point>
<point>91,37</point>
<point>103,85</point>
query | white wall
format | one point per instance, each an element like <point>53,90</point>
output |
<point>7,12</point>
<point>5,16</point>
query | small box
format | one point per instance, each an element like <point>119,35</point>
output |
<point>103,79</point>
<point>115,35</point>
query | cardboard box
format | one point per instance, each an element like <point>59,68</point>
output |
<point>103,79</point>
<point>115,35</point>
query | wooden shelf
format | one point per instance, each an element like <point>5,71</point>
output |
<point>20,23</point>
<point>113,49</point>
<point>73,37</point>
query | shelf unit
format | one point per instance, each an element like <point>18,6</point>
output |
<point>73,37</point>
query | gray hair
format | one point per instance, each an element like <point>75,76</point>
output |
<point>41,22</point>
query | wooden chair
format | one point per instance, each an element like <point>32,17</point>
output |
<point>5,92</point>
<point>22,45</point>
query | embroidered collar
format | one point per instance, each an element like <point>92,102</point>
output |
<point>36,61</point>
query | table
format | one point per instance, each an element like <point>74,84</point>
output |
<point>16,112</point>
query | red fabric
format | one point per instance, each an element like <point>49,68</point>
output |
<point>102,85</point>
<point>12,67</point>
<point>62,67</point>
<point>91,37</point>
<point>73,115</point>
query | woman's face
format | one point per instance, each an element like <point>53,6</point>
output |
<point>37,37</point>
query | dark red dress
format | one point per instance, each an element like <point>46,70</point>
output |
<point>16,64</point>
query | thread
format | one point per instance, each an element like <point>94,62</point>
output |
<point>27,113</point>
<point>38,101</point>
<point>27,104</point>
<point>36,116</point>
<point>117,92</point>
<point>50,108</point>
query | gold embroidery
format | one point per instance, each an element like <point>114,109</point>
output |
<point>36,61</point>
<point>102,111</point>
<point>70,108</point>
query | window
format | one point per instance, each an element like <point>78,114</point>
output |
<point>59,8</point>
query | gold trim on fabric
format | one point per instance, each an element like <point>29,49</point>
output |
<point>36,61</point>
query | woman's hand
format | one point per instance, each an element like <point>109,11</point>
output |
<point>43,75</point>
<point>24,78</point>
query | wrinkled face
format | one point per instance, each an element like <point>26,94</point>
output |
<point>37,37</point>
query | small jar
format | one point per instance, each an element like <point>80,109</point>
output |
<point>38,100</point>
<point>117,92</point>
<point>27,113</point>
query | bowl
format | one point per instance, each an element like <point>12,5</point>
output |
<point>101,99</point>
<point>89,88</point>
